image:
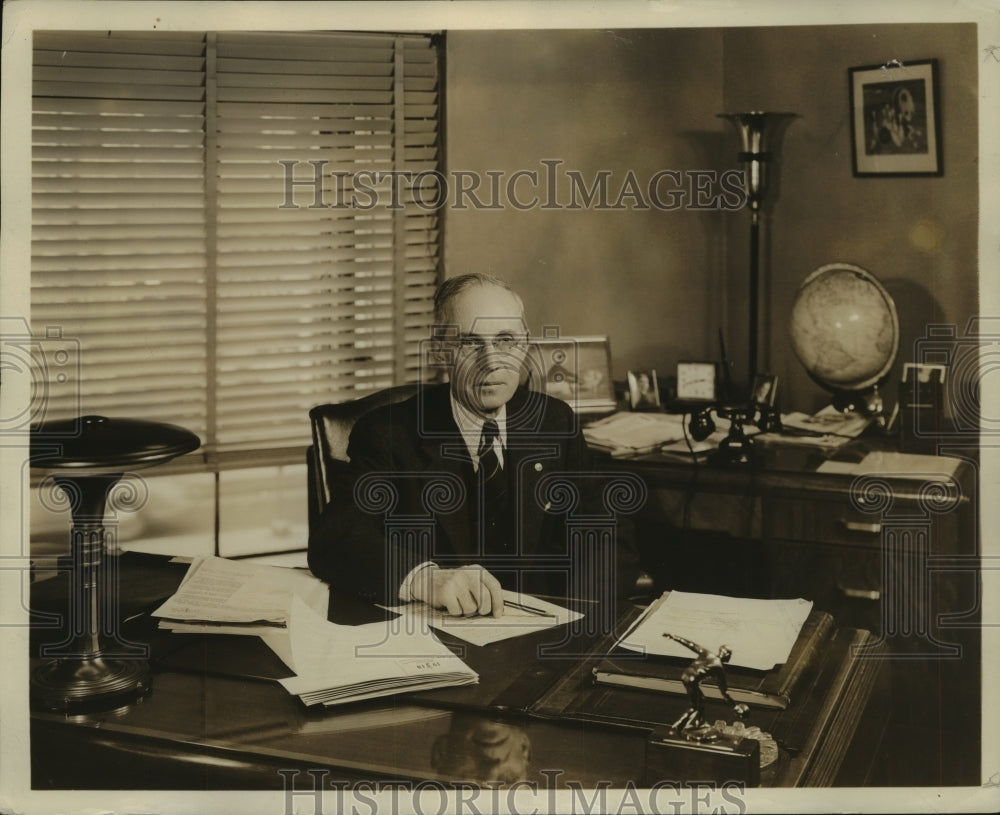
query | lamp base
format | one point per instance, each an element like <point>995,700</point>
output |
<point>89,682</point>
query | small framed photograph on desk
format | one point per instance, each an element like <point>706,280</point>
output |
<point>574,369</point>
<point>643,390</point>
<point>765,387</point>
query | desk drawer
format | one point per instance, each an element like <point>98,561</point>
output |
<point>859,587</point>
<point>843,580</point>
<point>839,523</point>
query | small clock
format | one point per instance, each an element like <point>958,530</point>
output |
<point>697,381</point>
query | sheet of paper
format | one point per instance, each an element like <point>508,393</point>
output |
<point>364,661</point>
<point>760,633</point>
<point>908,465</point>
<point>826,441</point>
<point>217,590</point>
<point>828,420</point>
<point>691,446</point>
<point>900,465</point>
<point>839,467</point>
<point>484,630</point>
<point>241,629</point>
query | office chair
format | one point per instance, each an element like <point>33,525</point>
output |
<point>327,458</point>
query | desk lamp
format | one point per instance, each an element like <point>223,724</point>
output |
<point>759,133</point>
<point>88,457</point>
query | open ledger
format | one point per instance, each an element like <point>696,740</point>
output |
<point>220,596</point>
<point>773,643</point>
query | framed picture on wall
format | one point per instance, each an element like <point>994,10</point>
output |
<point>574,369</point>
<point>895,121</point>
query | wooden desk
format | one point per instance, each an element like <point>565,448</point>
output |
<point>202,729</point>
<point>898,556</point>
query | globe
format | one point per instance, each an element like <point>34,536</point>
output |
<point>844,328</point>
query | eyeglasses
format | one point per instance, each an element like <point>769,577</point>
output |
<point>474,344</point>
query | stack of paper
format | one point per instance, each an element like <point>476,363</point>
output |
<point>335,664</point>
<point>626,433</point>
<point>220,596</point>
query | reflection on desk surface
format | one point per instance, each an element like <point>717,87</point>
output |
<point>258,722</point>
<point>482,750</point>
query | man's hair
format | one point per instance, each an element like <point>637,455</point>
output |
<point>453,286</point>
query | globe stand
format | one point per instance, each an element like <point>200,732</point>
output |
<point>867,403</point>
<point>84,671</point>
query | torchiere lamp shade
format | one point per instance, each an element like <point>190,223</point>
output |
<point>759,132</point>
<point>92,667</point>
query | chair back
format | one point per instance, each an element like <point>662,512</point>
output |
<point>332,424</point>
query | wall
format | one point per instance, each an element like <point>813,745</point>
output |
<point>662,283</point>
<point>597,100</point>
<point>918,235</point>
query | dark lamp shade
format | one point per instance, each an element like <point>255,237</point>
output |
<point>97,443</point>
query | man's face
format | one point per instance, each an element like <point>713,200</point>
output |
<point>489,352</point>
<point>906,107</point>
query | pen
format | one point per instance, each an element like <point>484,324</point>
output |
<point>540,612</point>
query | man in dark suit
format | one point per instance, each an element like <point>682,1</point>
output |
<point>474,485</point>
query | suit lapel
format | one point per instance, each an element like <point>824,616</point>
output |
<point>444,450</point>
<point>531,458</point>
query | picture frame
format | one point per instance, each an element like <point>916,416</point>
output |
<point>643,389</point>
<point>895,119</point>
<point>574,369</point>
<point>765,388</point>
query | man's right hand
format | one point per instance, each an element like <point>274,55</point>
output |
<point>464,592</point>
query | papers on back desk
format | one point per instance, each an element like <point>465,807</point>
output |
<point>220,596</point>
<point>335,664</point>
<point>828,421</point>
<point>627,432</point>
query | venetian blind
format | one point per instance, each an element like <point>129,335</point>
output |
<point>227,225</point>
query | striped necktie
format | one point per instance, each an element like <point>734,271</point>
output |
<point>495,517</point>
<point>489,464</point>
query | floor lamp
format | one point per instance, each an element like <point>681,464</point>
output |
<point>758,131</point>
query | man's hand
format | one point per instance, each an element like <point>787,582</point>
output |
<point>464,592</point>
